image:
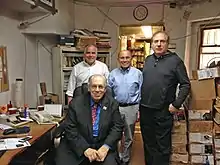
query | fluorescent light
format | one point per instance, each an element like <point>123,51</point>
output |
<point>147,30</point>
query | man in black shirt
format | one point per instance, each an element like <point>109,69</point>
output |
<point>163,71</point>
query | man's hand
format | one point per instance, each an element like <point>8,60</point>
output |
<point>172,109</point>
<point>91,154</point>
<point>101,153</point>
<point>138,116</point>
<point>69,99</point>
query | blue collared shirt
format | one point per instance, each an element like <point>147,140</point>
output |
<point>126,84</point>
<point>96,124</point>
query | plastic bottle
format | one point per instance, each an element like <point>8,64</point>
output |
<point>19,93</point>
<point>26,111</point>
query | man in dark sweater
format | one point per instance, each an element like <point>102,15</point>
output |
<point>163,71</point>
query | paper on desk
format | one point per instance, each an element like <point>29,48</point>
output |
<point>53,109</point>
<point>10,143</point>
<point>3,127</point>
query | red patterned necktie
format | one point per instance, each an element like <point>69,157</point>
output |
<point>94,109</point>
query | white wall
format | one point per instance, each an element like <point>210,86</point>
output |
<point>60,23</point>
<point>15,51</point>
<point>93,19</point>
<point>201,15</point>
<point>175,24</point>
<point>27,58</point>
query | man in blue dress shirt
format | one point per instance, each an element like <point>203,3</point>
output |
<point>126,82</point>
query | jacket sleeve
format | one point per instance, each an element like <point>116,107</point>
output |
<point>76,142</point>
<point>184,85</point>
<point>115,132</point>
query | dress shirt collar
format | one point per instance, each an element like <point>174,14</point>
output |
<point>92,102</point>
<point>86,64</point>
<point>125,70</point>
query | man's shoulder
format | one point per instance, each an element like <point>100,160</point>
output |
<point>100,63</point>
<point>136,70</point>
<point>80,64</point>
<point>149,57</point>
<point>114,70</point>
<point>175,57</point>
<point>81,98</point>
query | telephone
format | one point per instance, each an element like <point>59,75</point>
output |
<point>42,117</point>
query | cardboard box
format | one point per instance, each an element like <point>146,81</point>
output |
<point>216,128</point>
<point>50,98</point>
<point>208,73</point>
<point>179,163</point>
<point>201,104</point>
<point>179,139</point>
<point>198,114</point>
<point>180,158</point>
<point>203,90</point>
<point>200,138</point>
<point>200,149</point>
<point>217,115</point>
<point>218,89</point>
<point>179,127</point>
<point>200,126</point>
<point>179,148</point>
<point>217,144</point>
<point>194,75</point>
<point>83,41</point>
<point>202,159</point>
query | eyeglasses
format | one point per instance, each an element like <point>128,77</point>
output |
<point>95,87</point>
<point>161,41</point>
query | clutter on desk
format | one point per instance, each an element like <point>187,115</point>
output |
<point>47,98</point>
<point>13,143</point>
<point>4,127</point>
<point>15,120</point>
<point>42,117</point>
<point>19,130</point>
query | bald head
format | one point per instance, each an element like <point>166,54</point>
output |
<point>124,58</point>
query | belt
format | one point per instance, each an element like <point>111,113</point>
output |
<point>126,104</point>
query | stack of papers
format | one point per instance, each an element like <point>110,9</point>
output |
<point>12,143</point>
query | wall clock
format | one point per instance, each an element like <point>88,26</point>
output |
<point>140,12</point>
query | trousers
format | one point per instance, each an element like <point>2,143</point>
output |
<point>156,128</point>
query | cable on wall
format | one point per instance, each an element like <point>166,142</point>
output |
<point>120,4</point>
<point>25,66</point>
<point>105,19</point>
<point>106,15</point>
<point>26,24</point>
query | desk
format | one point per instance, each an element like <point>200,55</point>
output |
<point>36,131</point>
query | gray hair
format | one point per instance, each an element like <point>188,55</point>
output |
<point>161,32</point>
<point>88,46</point>
<point>97,75</point>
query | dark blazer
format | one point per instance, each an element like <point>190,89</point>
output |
<point>78,130</point>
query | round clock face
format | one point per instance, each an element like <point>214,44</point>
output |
<point>140,12</point>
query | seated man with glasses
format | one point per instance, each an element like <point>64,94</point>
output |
<point>93,128</point>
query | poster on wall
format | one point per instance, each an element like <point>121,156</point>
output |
<point>4,82</point>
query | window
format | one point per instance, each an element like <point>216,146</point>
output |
<point>210,47</point>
